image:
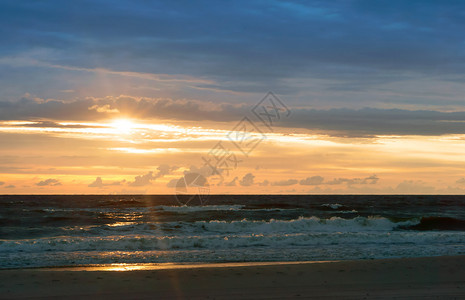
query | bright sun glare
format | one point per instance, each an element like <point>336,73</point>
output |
<point>123,125</point>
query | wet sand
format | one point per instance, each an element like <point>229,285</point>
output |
<point>411,278</point>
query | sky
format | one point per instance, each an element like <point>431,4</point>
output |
<point>129,97</point>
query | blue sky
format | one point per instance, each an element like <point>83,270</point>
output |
<point>324,54</point>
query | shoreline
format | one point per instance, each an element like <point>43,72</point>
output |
<point>196,265</point>
<point>425,277</point>
<point>117,267</point>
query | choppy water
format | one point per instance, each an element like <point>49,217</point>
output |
<point>73,230</point>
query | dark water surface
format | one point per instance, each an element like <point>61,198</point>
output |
<point>69,230</point>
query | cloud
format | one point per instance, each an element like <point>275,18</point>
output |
<point>49,182</point>
<point>314,180</point>
<point>357,43</point>
<point>337,122</point>
<point>141,107</point>
<point>172,183</point>
<point>460,181</point>
<point>373,179</point>
<point>264,183</point>
<point>98,183</point>
<point>104,109</point>
<point>143,180</point>
<point>285,182</point>
<point>10,186</point>
<point>204,170</point>
<point>418,187</point>
<point>51,124</point>
<point>414,187</point>
<point>247,180</point>
<point>164,170</point>
<point>2,183</point>
<point>232,182</point>
<point>373,121</point>
<point>336,181</point>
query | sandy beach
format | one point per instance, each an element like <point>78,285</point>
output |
<point>411,278</point>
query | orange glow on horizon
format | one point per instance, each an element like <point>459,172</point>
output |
<point>120,150</point>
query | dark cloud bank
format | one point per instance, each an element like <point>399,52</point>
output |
<point>350,122</point>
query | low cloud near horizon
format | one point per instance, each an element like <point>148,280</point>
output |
<point>49,182</point>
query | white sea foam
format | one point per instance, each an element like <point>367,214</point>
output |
<point>333,206</point>
<point>304,224</point>
<point>203,255</point>
<point>228,241</point>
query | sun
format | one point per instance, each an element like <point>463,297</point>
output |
<point>123,125</point>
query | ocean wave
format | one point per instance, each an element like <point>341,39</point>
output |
<point>299,225</point>
<point>165,208</point>
<point>437,223</point>
<point>353,211</point>
<point>229,241</point>
<point>332,205</point>
<point>248,226</point>
<point>96,210</point>
<point>304,224</point>
<point>187,209</point>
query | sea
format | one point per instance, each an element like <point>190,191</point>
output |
<point>76,230</point>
